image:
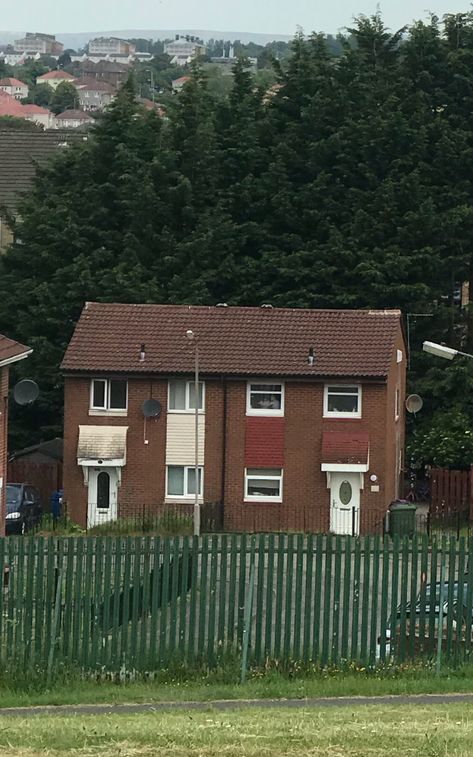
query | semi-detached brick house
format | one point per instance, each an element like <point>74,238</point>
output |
<point>301,420</point>
<point>10,352</point>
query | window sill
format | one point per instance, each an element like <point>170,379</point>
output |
<point>265,413</point>
<point>109,413</point>
<point>263,501</point>
<point>182,500</point>
<point>342,417</point>
<point>185,412</point>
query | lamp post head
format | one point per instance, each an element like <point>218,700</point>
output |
<point>440,350</point>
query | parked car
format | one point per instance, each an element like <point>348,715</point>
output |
<point>24,508</point>
<point>459,609</point>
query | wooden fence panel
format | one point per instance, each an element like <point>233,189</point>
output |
<point>450,490</point>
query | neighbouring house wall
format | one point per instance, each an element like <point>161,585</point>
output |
<point>3,443</point>
<point>306,498</point>
<point>231,441</point>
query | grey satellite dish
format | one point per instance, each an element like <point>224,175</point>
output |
<point>25,392</point>
<point>151,408</point>
<point>414,403</point>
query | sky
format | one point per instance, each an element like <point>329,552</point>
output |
<point>263,16</point>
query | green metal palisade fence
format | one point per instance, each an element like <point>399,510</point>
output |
<point>113,604</point>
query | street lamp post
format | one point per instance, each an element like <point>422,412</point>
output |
<point>191,336</point>
<point>440,350</point>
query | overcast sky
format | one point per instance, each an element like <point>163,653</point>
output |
<point>267,16</point>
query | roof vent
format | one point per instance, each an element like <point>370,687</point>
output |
<point>142,353</point>
<point>221,305</point>
<point>311,356</point>
<point>267,305</point>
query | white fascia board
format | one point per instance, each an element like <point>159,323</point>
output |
<point>15,359</point>
<point>89,463</point>
<point>344,467</point>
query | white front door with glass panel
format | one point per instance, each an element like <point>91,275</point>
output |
<point>345,503</point>
<point>103,489</point>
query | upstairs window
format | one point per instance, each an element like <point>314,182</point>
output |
<point>342,401</point>
<point>182,396</point>
<point>109,394</point>
<point>265,398</point>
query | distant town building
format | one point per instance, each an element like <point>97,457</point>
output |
<point>44,44</point>
<point>183,50</point>
<point>9,106</point>
<point>14,87</point>
<point>94,94</point>
<point>225,63</point>
<point>41,116</point>
<point>73,119</point>
<point>55,78</point>
<point>103,46</point>
<point>106,70</point>
<point>178,84</point>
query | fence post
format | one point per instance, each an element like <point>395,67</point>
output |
<point>440,621</point>
<point>353,521</point>
<point>247,615</point>
<point>57,612</point>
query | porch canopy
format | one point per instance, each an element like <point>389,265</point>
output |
<point>102,445</point>
<point>345,451</point>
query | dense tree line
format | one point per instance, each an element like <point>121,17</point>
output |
<point>350,186</point>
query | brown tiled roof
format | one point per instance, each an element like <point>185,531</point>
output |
<point>56,75</point>
<point>233,340</point>
<point>9,350</point>
<point>345,447</point>
<point>20,153</point>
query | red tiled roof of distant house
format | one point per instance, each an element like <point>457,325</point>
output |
<point>9,106</point>
<point>29,109</point>
<point>10,82</point>
<point>181,80</point>
<point>56,75</point>
<point>234,340</point>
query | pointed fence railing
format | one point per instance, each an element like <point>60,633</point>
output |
<point>136,604</point>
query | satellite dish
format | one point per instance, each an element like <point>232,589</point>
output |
<point>151,408</point>
<point>414,403</point>
<point>25,392</point>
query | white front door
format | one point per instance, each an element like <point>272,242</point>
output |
<point>345,503</point>
<point>103,488</point>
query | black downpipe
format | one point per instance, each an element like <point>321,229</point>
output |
<point>224,449</point>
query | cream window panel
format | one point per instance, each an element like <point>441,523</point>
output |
<point>180,439</point>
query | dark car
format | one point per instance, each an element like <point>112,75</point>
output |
<point>422,609</point>
<point>24,508</point>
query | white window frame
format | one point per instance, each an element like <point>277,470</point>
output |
<point>263,498</point>
<point>95,410</point>
<point>261,410</point>
<point>187,408</point>
<point>334,413</point>
<point>185,497</point>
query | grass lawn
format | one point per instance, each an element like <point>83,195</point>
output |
<point>407,679</point>
<point>360,731</point>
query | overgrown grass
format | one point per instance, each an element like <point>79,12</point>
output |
<point>179,683</point>
<point>169,523</point>
<point>433,731</point>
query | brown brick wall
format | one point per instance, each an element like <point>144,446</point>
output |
<point>3,442</point>
<point>306,498</point>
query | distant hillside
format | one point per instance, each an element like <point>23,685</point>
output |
<point>76,41</point>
